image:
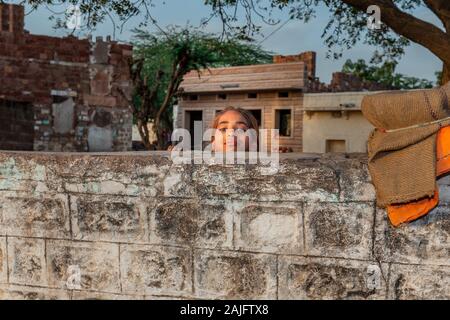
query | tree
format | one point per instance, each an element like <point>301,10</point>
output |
<point>347,24</point>
<point>162,59</point>
<point>384,73</point>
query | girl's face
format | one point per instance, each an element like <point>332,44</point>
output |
<point>226,137</point>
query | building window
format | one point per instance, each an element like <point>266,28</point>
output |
<point>283,94</point>
<point>335,146</point>
<point>17,126</point>
<point>191,119</point>
<point>193,97</point>
<point>257,113</point>
<point>252,95</point>
<point>222,96</point>
<point>283,122</point>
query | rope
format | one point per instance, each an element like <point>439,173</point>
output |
<point>440,121</point>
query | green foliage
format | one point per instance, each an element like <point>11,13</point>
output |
<point>384,73</point>
<point>164,57</point>
<point>242,19</point>
<point>97,11</point>
<point>346,25</point>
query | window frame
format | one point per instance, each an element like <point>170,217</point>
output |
<point>275,125</point>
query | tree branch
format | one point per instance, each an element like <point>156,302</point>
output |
<point>441,8</point>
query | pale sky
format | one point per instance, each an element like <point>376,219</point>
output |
<point>294,37</point>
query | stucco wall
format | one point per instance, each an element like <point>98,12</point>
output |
<point>139,227</point>
<point>322,126</point>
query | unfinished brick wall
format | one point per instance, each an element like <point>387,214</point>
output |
<point>138,226</point>
<point>72,86</point>
<point>340,82</point>
<point>12,18</point>
<point>16,126</point>
<point>308,57</point>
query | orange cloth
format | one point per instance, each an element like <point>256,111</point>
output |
<point>402,213</point>
<point>443,151</point>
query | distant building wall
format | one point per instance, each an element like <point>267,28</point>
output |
<point>138,226</point>
<point>333,122</point>
<point>342,81</point>
<point>71,86</point>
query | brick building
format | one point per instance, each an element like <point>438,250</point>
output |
<point>61,94</point>
<point>275,93</point>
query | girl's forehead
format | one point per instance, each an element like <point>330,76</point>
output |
<point>232,117</point>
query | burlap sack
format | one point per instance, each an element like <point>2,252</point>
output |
<point>402,163</point>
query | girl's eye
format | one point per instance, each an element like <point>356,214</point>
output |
<point>223,130</point>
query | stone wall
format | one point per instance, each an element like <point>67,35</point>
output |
<point>342,82</point>
<point>71,85</point>
<point>308,57</point>
<point>137,226</point>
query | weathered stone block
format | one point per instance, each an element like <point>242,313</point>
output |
<point>26,261</point>
<point>114,219</point>
<point>155,270</point>
<point>3,261</point>
<point>108,187</point>
<point>307,278</point>
<point>140,176</point>
<point>167,297</point>
<point>97,264</point>
<point>233,275</point>
<point>339,229</point>
<point>178,182</point>
<point>270,227</point>
<point>86,295</point>
<point>355,181</point>
<point>424,241</point>
<point>189,222</point>
<point>410,282</point>
<point>15,292</point>
<point>22,214</point>
<point>140,168</point>
<point>292,182</point>
<point>25,166</point>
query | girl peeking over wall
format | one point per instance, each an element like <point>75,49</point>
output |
<point>235,129</point>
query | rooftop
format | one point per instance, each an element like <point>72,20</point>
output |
<point>277,76</point>
<point>335,101</point>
